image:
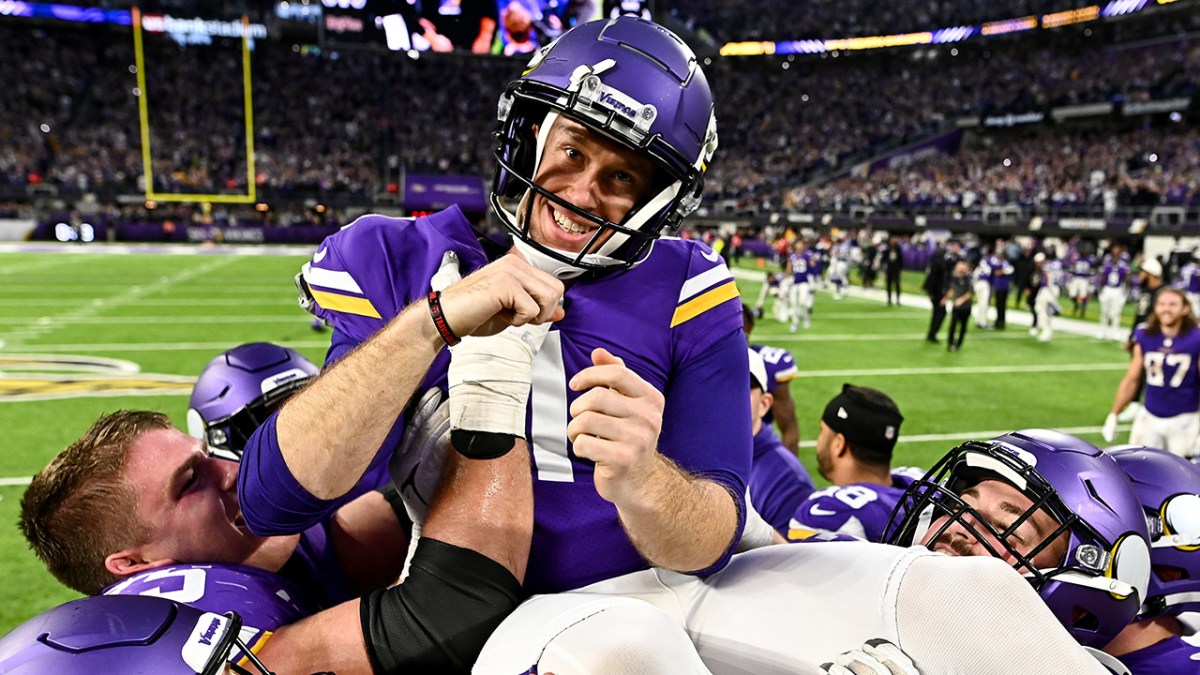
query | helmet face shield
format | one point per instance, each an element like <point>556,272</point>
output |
<point>946,514</point>
<point>633,84</point>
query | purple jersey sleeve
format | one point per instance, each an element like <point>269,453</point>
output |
<point>779,483</point>
<point>265,601</point>
<point>359,279</point>
<point>1169,657</point>
<point>314,566</point>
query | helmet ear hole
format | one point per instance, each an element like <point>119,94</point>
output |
<point>1084,620</point>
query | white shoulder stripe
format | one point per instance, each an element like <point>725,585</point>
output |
<point>703,281</point>
<point>341,281</point>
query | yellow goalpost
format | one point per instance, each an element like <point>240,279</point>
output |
<point>144,121</point>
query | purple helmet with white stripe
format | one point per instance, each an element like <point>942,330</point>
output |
<point>634,83</point>
<point>1100,582</point>
<point>237,391</point>
<point>1169,489</point>
<point>124,634</point>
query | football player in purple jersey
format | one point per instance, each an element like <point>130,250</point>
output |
<point>1189,281</point>
<point>1081,266</point>
<point>1114,291</point>
<point>800,268</point>
<point>600,150</point>
<point>1056,508</point>
<point>1169,489</point>
<point>781,370</point>
<point>778,481</point>
<point>1167,352</point>
<point>859,430</point>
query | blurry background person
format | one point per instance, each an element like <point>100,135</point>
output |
<point>958,301</point>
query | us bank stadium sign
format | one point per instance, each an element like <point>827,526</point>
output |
<point>41,377</point>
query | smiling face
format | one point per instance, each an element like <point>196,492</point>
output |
<point>1000,505</point>
<point>595,174</point>
<point>188,502</point>
<point>1170,307</point>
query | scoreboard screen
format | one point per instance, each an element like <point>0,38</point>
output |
<point>507,27</point>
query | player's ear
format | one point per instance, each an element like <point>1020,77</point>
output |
<point>840,446</point>
<point>130,561</point>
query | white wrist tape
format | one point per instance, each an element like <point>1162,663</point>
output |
<point>490,377</point>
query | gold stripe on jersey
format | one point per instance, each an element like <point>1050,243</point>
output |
<point>255,648</point>
<point>704,302</point>
<point>345,304</point>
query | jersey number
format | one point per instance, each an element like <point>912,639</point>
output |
<point>856,496</point>
<point>1155,362</point>
<point>184,586</point>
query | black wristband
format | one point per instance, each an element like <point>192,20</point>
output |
<point>439,319</point>
<point>481,444</point>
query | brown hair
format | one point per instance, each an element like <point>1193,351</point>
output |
<point>1186,323</point>
<point>79,509</point>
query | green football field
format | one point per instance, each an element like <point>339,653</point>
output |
<point>82,334</point>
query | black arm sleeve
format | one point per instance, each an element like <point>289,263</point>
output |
<point>437,621</point>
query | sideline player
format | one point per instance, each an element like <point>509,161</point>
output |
<point>781,370</point>
<point>859,430</point>
<point>800,269</point>
<point>779,483</point>
<point>1167,351</point>
<point>1114,290</point>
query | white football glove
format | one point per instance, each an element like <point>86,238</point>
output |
<point>416,467</point>
<point>1109,431</point>
<point>875,657</point>
<point>489,387</point>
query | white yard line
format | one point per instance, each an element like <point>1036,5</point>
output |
<point>297,317</point>
<point>32,328</point>
<point>975,435</point>
<point>963,370</point>
<point>215,347</point>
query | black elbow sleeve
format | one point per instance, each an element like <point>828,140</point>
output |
<point>438,620</point>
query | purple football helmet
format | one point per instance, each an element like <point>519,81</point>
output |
<point>633,82</point>
<point>1169,489</point>
<point>125,634</point>
<point>1099,585</point>
<point>238,391</point>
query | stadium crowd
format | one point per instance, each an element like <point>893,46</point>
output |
<point>70,120</point>
<point>824,19</point>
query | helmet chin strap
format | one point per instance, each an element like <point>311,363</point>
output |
<point>539,259</point>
